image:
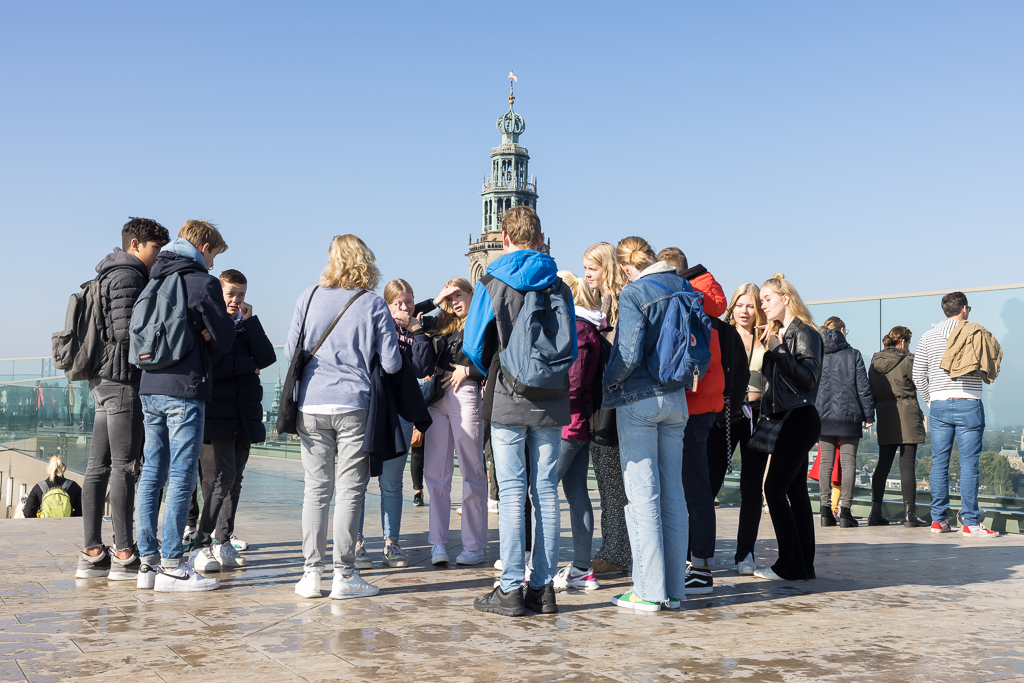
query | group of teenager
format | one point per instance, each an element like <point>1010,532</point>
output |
<point>387,370</point>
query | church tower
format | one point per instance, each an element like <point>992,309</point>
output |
<point>509,184</point>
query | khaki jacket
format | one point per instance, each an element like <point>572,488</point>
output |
<point>972,349</point>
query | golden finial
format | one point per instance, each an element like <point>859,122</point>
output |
<point>511,94</point>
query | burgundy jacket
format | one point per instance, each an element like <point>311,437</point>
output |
<point>582,378</point>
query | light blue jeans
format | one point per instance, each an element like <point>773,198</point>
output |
<point>510,445</point>
<point>174,438</point>
<point>390,482</point>
<point>573,464</point>
<point>964,419</point>
<point>651,452</point>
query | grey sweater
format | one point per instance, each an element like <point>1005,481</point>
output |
<point>337,378</point>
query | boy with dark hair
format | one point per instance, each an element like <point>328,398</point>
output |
<point>234,421</point>
<point>174,403</point>
<point>117,430</point>
<point>521,427</point>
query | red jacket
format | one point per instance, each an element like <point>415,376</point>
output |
<point>582,376</point>
<point>710,394</point>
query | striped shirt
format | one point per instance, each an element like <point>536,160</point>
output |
<point>934,383</point>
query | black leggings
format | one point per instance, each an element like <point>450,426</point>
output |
<point>416,468</point>
<point>785,491</point>
<point>908,477</point>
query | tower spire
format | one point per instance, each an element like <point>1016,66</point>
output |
<point>512,80</point>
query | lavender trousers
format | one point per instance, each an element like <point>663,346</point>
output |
<point>456,427</point>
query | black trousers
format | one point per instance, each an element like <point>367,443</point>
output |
<point>221,464</point>
<point>785,490</point>
<point>416,467</point>
<point>908,477</point>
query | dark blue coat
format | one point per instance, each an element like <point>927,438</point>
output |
<point>236,409</point>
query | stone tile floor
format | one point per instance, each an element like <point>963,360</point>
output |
<point>890,604</point>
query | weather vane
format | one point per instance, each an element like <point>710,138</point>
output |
<point>511,95</point>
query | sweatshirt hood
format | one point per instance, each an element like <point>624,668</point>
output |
<point>834,341</point>
<point>887,359</point>
<point>596,318</point>
<point>121,259</point>
<point>525,270</point>
<point>659,267</point>
<point>179,255</point>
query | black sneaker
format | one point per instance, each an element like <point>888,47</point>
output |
<point>124,570</point>
<point>417,499</point>
<point>499,602</point>
<point>93,567</point>
<point>698,580</point>
<point>540,599</point>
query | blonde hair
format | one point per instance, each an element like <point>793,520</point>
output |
<point>522,225</point>
<point>783,287</point>
<point>582,295</point>
<point>754,292</point>
<point>613,280</point>
<point>56,467</point>
<point>394,288</point>
<point>834,323</point>
<point>350,265</point>
<point>447,321</point>
<point>635,251</point>
<point>200,233</point>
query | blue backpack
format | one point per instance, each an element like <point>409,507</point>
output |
<point>542,346</point>
<point>684,344</point>
<point>160,333</point>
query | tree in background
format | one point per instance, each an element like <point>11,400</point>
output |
<point>994,474</point>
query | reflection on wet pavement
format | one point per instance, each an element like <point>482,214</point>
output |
<point>890,604</point>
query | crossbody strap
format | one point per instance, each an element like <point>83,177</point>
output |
<point>302,328</point>
<point>335,323</point>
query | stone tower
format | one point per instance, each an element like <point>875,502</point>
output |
<point>510,184</point>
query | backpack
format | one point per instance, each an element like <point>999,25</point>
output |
<point>56,502</point>
<point>160,332</point>
<point>684,344</point>
<point>541,348</point>
<point>80,348</point>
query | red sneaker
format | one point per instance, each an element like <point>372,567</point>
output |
<point>979,530</point>
<point>941,527</point>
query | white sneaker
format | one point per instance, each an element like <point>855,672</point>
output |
<point>147,577</point>
<point>497,564</point>
<point>228,556</point>
<point>238,543</point>
<point>746,566</point>
<point>183,579</point>
<point>352,587</point>
<point>203,560</point>
<point>363,560</point>
<point>978,531</point>
<point>572,577</point>
<point>492,506</point>
<point>767,574</point>
<point>470,557</point>
<point>309,585</point>
<point>439,555</point>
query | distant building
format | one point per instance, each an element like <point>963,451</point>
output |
<point>509,184</point>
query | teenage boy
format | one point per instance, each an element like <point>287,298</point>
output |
<point>117,430</point>
<point>174,403</point>
<point>234,421</point>
<point>520,428</point>
<point>703,403</point>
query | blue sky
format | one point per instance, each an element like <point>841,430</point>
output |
<point>861,148</point>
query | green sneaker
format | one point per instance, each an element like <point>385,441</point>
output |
<point>631,601</point>
<point>673,603</point>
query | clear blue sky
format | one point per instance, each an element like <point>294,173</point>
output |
<point>861,148</point>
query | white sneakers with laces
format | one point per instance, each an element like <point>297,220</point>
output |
<point>203,560</point>
<point>309,585</point>
<point>183,579</point>
<point>439,555</point>
<point>147,577</point>
<point>978,531</point>
<point>746,566</point>
<point>470,557</point>
<point>228,556</point>
<point>353,586</point>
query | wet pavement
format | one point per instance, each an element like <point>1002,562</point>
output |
<point>889,604</point>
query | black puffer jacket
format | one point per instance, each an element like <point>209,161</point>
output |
<point>735,369</point>
<point>791,369</point>
<point>122,278</point>
<point>844,399</point>
<point>236,408</point>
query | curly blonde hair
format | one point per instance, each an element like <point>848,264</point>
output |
<point>783,287</point>
<point>447,321</point>
<point>350,265</point>
<point>603,254</point>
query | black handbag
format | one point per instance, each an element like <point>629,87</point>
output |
<point>288,410</point>
<point>433,391</point>
<point>603,429</point>
<point>766,432</point>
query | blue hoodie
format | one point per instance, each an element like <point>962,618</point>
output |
<point>497,301</point>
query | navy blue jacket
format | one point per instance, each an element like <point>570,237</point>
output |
<point>393,398</point>
<point>190,378</point>
<point>237,406</point>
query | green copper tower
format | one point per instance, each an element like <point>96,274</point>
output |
<point>510,184</point>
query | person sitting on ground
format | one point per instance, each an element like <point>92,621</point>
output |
<point>54,496</point>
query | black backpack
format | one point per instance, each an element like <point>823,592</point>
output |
<point>80,348</point>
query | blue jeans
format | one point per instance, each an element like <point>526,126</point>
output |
<point>390,483</point>
<point>573,463</point>
<point>509,445</point>
<point>700,504</point>
<point>174,438</point>
<point>964,419</point>
<point>651,452</point>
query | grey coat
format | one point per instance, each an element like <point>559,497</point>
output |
<point>900,419</point>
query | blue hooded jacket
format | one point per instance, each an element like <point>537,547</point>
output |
<point>497,301</point>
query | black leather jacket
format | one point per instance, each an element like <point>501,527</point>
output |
<point>792,369</point>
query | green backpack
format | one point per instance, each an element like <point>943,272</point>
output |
<point>56,501</point>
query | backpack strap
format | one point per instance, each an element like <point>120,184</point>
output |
<point>66,486</point>
<point>336,319</point>
<point>44,486</point>
<point>665,287</point>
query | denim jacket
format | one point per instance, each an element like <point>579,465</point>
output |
<point>633,365</point>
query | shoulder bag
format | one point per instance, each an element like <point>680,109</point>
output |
<point>766,432</point>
